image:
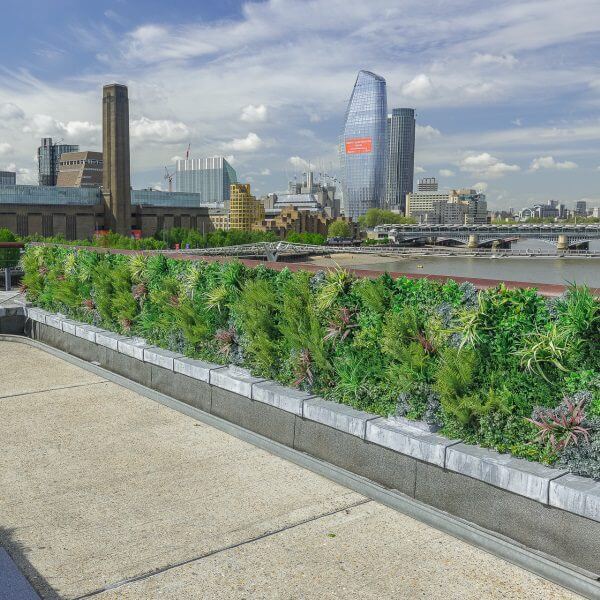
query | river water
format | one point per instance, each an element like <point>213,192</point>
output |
<point>583,271</point>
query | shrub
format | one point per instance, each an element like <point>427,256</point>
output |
<point>476,363</point>
<point>9,257</point>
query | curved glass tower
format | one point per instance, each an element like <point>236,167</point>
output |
<point>363,148</point>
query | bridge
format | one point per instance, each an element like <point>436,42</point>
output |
<point>564,236</point>
<point>273,251</point>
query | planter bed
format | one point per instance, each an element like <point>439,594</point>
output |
<point>545,509</point>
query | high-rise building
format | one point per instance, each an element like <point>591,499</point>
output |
<point>116,182</point>
<point>210,177</point>
<point>427,184</point>
<point>244,209</point>
<point>581,208</point>
<point>401,157</point>
<point>80,169</point>
<point>8,178</point>
<point>48,160</point>
<point>363,148</point>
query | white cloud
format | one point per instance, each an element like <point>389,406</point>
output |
<point>419,169</point>
<point>10,111</point>
<point>231,159</point>
<point>518,122</point>
<point>78,131</point>
<point>265,172</point>
<point>175,158</point>
<point>548,162</point>
<point>298,162</point>
<point>247,144</point>
<point>427,132</point>
<point>446,173</point>
<point>74,129</point>
<point>5,148</point>
<point>505,60</point>
<point>420,87</point>
<point>486,165</point>
<point>162,130</point>
<point>480,186</point>
<point>254,114</point>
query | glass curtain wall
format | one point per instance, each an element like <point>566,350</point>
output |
<point>363,147</point>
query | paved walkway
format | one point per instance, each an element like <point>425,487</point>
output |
<point>106,494</point>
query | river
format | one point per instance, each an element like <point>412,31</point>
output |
<point>583,271</point>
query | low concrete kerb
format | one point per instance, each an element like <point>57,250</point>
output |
<point>546,485</point>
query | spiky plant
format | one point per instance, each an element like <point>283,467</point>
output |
<point>342,325</point>
<point>544,349</point>
<point>337,283</point>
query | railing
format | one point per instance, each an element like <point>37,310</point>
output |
<point>9,259</point>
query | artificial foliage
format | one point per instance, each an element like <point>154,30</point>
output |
<point>501,368</point>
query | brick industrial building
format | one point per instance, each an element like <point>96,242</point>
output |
<point>78,212</point>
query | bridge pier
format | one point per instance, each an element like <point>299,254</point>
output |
<point>563,242</point>
<point>473,241</point>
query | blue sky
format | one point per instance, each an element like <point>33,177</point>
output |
<point>507,93</point>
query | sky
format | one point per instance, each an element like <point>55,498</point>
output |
<point>507,93</point>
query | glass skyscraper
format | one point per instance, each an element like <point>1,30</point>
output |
<point>363,148</point>
<point>49,160</point>
<point>210,177</point>
<point>401,157</point>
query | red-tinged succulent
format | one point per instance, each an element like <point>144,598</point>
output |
<point>89,304</point>
<point>126,324</point>
<point>226,340</point>
<point>341,327</point>
<point>139,291</point>
<point>43,271</point>
<point>303,371</point>
<point>562,427</point>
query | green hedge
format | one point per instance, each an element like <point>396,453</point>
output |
<point>477,363</point>
<point>9,257</point>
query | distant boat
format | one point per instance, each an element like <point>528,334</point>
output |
<point>419,266</point>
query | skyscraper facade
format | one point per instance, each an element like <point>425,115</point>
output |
<point>8,178</point>
<point>49,160</point>
<point>363,148</point>
<point>116,182</point>
<point>401,157</point>
<point>210,177</point>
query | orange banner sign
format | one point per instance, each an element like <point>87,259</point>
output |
<point>359,146</point>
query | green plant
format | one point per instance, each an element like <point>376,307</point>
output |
<point>543,349</point>
<point>339,229</point>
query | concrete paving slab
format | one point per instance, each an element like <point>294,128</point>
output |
<point>103,489</point>
<point>367,552</point>
<point>24,369</point>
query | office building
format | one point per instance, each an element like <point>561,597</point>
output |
<point>454,207</point>
<point>116,182</point>
<point>48,155</point>
<point>8,178</point>
<point>80,169</point>
<point>244,209</point>
<point>210,177</point>
<point>427,184</point>
<point>363,146</point>
<point>581,208</point>
<point>308,195</point>
<point>401,157</point>
<point>551,210</point>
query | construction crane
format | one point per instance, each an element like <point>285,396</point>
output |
<point>169,178</point>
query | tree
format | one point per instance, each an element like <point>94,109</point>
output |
<point>378,216</point>
<point>339,229</point>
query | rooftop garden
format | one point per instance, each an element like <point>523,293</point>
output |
<point>505,369</point>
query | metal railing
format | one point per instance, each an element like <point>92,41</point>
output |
<point>10,253</point>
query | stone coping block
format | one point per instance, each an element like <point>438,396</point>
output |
<point>70,326</point>
<point>579,495</point>
<point>55,320</point>
<point>339,416</point>
<point>288,399</point>
<point>108,339</point>
<point>194,368</point>
<point>133,347</point>
<point>517,475</point>
<point>86,332</point>
<point>37,314</point>
<point>161,358</point>
<point>235,379</point>
<point>428,447</point>
<point>420,425</point>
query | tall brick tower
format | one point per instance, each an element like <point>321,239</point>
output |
<point>115,147</point>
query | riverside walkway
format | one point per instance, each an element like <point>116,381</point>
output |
<point>107,494</point>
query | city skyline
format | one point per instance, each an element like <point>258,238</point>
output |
<point>505,97</point>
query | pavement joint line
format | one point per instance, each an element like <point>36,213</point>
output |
<point>552,569</point>
<point>258,538</point>
<point>62,387</point>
